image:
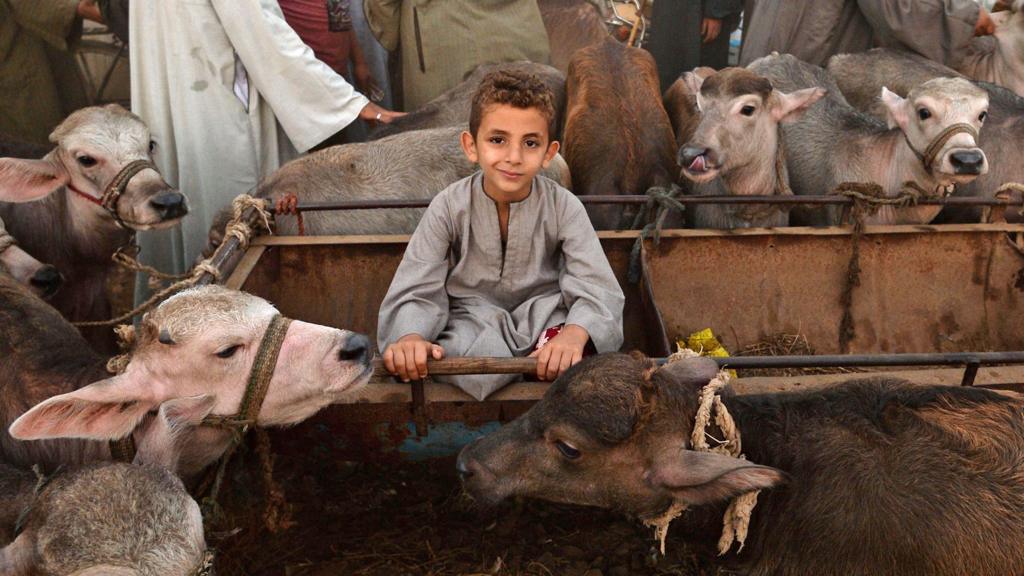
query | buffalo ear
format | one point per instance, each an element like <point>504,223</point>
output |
<point>169,431</point>
<point>896,110</point>
<point>104,410</point>
<point>27,180</point>
<point>789,107</point>
<point>704,477</point>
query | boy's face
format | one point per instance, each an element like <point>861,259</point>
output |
<point>511,146</point>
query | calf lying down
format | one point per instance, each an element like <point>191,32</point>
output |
<point>101,520</point>
<point>869,477</point>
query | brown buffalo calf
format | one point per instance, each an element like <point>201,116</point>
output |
<point>869,477</point>
<point>571,25</point>
<point>617,137</point>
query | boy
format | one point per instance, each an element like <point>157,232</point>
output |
<point>504,262</point>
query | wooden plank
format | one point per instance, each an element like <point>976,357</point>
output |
<point>277,240</point>
<point>245,266</point>
<point>994,377</point>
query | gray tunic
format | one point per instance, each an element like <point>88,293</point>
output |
<point>456,287</point>
<point>814,31</point>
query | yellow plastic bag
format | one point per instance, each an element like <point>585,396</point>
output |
<point>704,343</point>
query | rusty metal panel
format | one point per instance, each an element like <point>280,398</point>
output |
<point>922,288</point>
<point>341,281</point>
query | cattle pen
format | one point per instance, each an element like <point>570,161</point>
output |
<point>933,304</point>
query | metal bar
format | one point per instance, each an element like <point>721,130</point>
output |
<point>829,200</point>
<point>529,365</point>
<point>970,373</point>
<point>226,250</point>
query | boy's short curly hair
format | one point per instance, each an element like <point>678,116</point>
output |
<point>514,88</point>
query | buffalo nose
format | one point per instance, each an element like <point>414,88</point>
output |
<point>47,280</point>
<point>169,205</point>
<point>462,467</point>
<point>688,154</point>
<point>967,161</point>
<point>355,349</point>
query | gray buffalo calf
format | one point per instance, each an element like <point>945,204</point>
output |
<point>727,128</point>
<point>407,166</point>
<point>70,228</point>
<point>868,477</point>
<point>861,76</point>
<point>929,141</point>
<point>106,519</point>
<point>452,107</point>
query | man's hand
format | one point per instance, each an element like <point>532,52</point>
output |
<point>561,352</point>
<point>985,25</point>
<point>710,29</point>
<point>373,113</point>
<point>407,358</point>
<point>89,10</point>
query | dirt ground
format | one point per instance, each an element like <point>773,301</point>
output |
<point>372,519</point>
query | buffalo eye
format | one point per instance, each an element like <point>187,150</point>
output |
<point>229,351</point>
<point>567,450</point>
<point>982,117</point>
<point>924,114</point>
<point>86,160</point>
<point>152,146</point>
<point>748,110</point>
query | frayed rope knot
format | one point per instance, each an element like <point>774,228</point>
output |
<point>126,342</point>
<point>736,521</point>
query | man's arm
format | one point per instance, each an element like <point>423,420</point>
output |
<point>57,22</point>
<point>417,302</point>
<point>311,101</point>
<point>588,285</point>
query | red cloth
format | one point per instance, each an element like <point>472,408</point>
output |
<point>309,20</point>
<point>553,331</point>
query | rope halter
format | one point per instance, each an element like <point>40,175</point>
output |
<point>933,149</point>
<point>260,375</point>
<point>112,193</point>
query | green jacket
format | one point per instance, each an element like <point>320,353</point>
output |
<point>39,80</point>
<point>443,40</point>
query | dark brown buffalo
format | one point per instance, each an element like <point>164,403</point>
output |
<point>70,230</point>
<point>868,477</point>
<point>571,25</point>
<point>617,137</point>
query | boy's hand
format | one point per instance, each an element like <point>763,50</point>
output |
<point>561,352</point>
<point>407,357</point>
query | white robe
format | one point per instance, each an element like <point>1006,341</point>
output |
<point>458,286</point>
<point>193,64</point>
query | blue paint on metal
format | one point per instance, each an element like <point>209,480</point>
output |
<point>443,439</point>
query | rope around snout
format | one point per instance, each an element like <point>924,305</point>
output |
<point>736,520</point>
<point>236,227</point>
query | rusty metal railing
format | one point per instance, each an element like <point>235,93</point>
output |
<point>829,200</point>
